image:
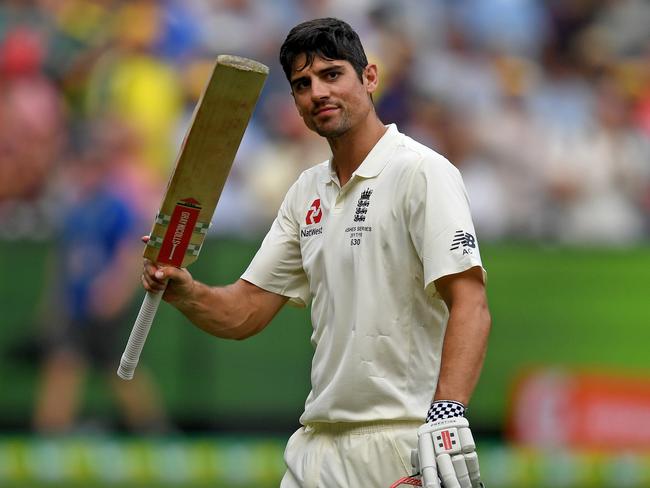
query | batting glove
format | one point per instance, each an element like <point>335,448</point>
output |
<point>446,449</point>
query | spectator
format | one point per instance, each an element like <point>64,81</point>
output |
<point>440,61</point>
<point>94,280</point>
<point>31,116</point>
<point>598,177</point>
<point>129,81</point>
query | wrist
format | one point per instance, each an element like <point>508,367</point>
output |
<point>445,409</point>
<point>183,296</point>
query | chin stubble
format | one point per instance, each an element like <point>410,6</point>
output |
<point>342,127</point>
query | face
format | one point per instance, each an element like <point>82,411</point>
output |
<point>329,95</point>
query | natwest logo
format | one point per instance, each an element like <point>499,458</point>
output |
<point>315,213</point>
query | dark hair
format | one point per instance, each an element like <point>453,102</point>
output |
<point>328,38</point>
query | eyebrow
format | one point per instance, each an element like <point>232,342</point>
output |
<point>321,72</point>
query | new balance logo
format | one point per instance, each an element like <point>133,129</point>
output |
<point>465,240</point>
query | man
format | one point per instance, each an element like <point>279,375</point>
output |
<point>92,286</point>
<point>380,239</point>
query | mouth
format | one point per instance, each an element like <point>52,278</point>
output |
<point>325,110</point>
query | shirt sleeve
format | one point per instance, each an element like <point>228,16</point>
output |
<point>440,222</point>
<point>277,265</point>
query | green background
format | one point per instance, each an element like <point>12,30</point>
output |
<point>551,306</point>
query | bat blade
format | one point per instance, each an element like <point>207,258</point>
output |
<point>202,167</point>
<point>208,151</point>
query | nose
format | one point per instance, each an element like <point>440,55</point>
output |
<point>319,90</point>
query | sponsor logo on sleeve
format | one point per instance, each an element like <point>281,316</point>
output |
<point>463,240</point>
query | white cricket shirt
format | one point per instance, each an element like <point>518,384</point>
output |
<point>366,256</point>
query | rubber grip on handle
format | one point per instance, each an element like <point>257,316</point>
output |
<point>138,335</point>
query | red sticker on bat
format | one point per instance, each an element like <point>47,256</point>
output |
<point>179,232</point>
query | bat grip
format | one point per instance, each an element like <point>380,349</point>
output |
<point>138,335</point>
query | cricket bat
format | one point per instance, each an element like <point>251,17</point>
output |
<point>204,161</point>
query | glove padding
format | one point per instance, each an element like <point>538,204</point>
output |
<point>446,449</point>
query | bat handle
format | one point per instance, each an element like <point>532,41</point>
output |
<point>139,335</point>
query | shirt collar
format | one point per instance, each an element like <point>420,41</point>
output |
<point>376,159</point>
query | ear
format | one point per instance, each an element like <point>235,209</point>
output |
<point>371,78</point>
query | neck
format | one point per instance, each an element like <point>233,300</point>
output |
<point>350,149</point>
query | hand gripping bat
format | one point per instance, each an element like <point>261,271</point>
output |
<point>204,161</point>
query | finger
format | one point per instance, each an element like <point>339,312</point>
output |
<point>461,471</point>
<point>427,461</point>
<point>149,268</point>
<point>154,275</point>
<point>466,439</point>
<point>147,284</point>
<point>145,239</point>
<point>447,472</point>
<point>471,461</point>
<point>158,274</point>
<point>154,279</point>
<point>430,478</point>
<point>151,285</point>
<point>415,460</point>
<point>164,274</point>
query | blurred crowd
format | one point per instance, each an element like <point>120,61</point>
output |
<point>543,105</point>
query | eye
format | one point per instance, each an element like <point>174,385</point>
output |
<point>300,84</point>
<point>332,75</point>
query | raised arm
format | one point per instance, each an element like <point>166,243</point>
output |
<point>235,311</point>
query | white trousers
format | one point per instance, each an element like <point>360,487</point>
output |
<point>346,455</point>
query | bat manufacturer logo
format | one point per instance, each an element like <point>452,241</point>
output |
<point>446,439</point>
<point>179,232</point>
<point>315,213</point>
